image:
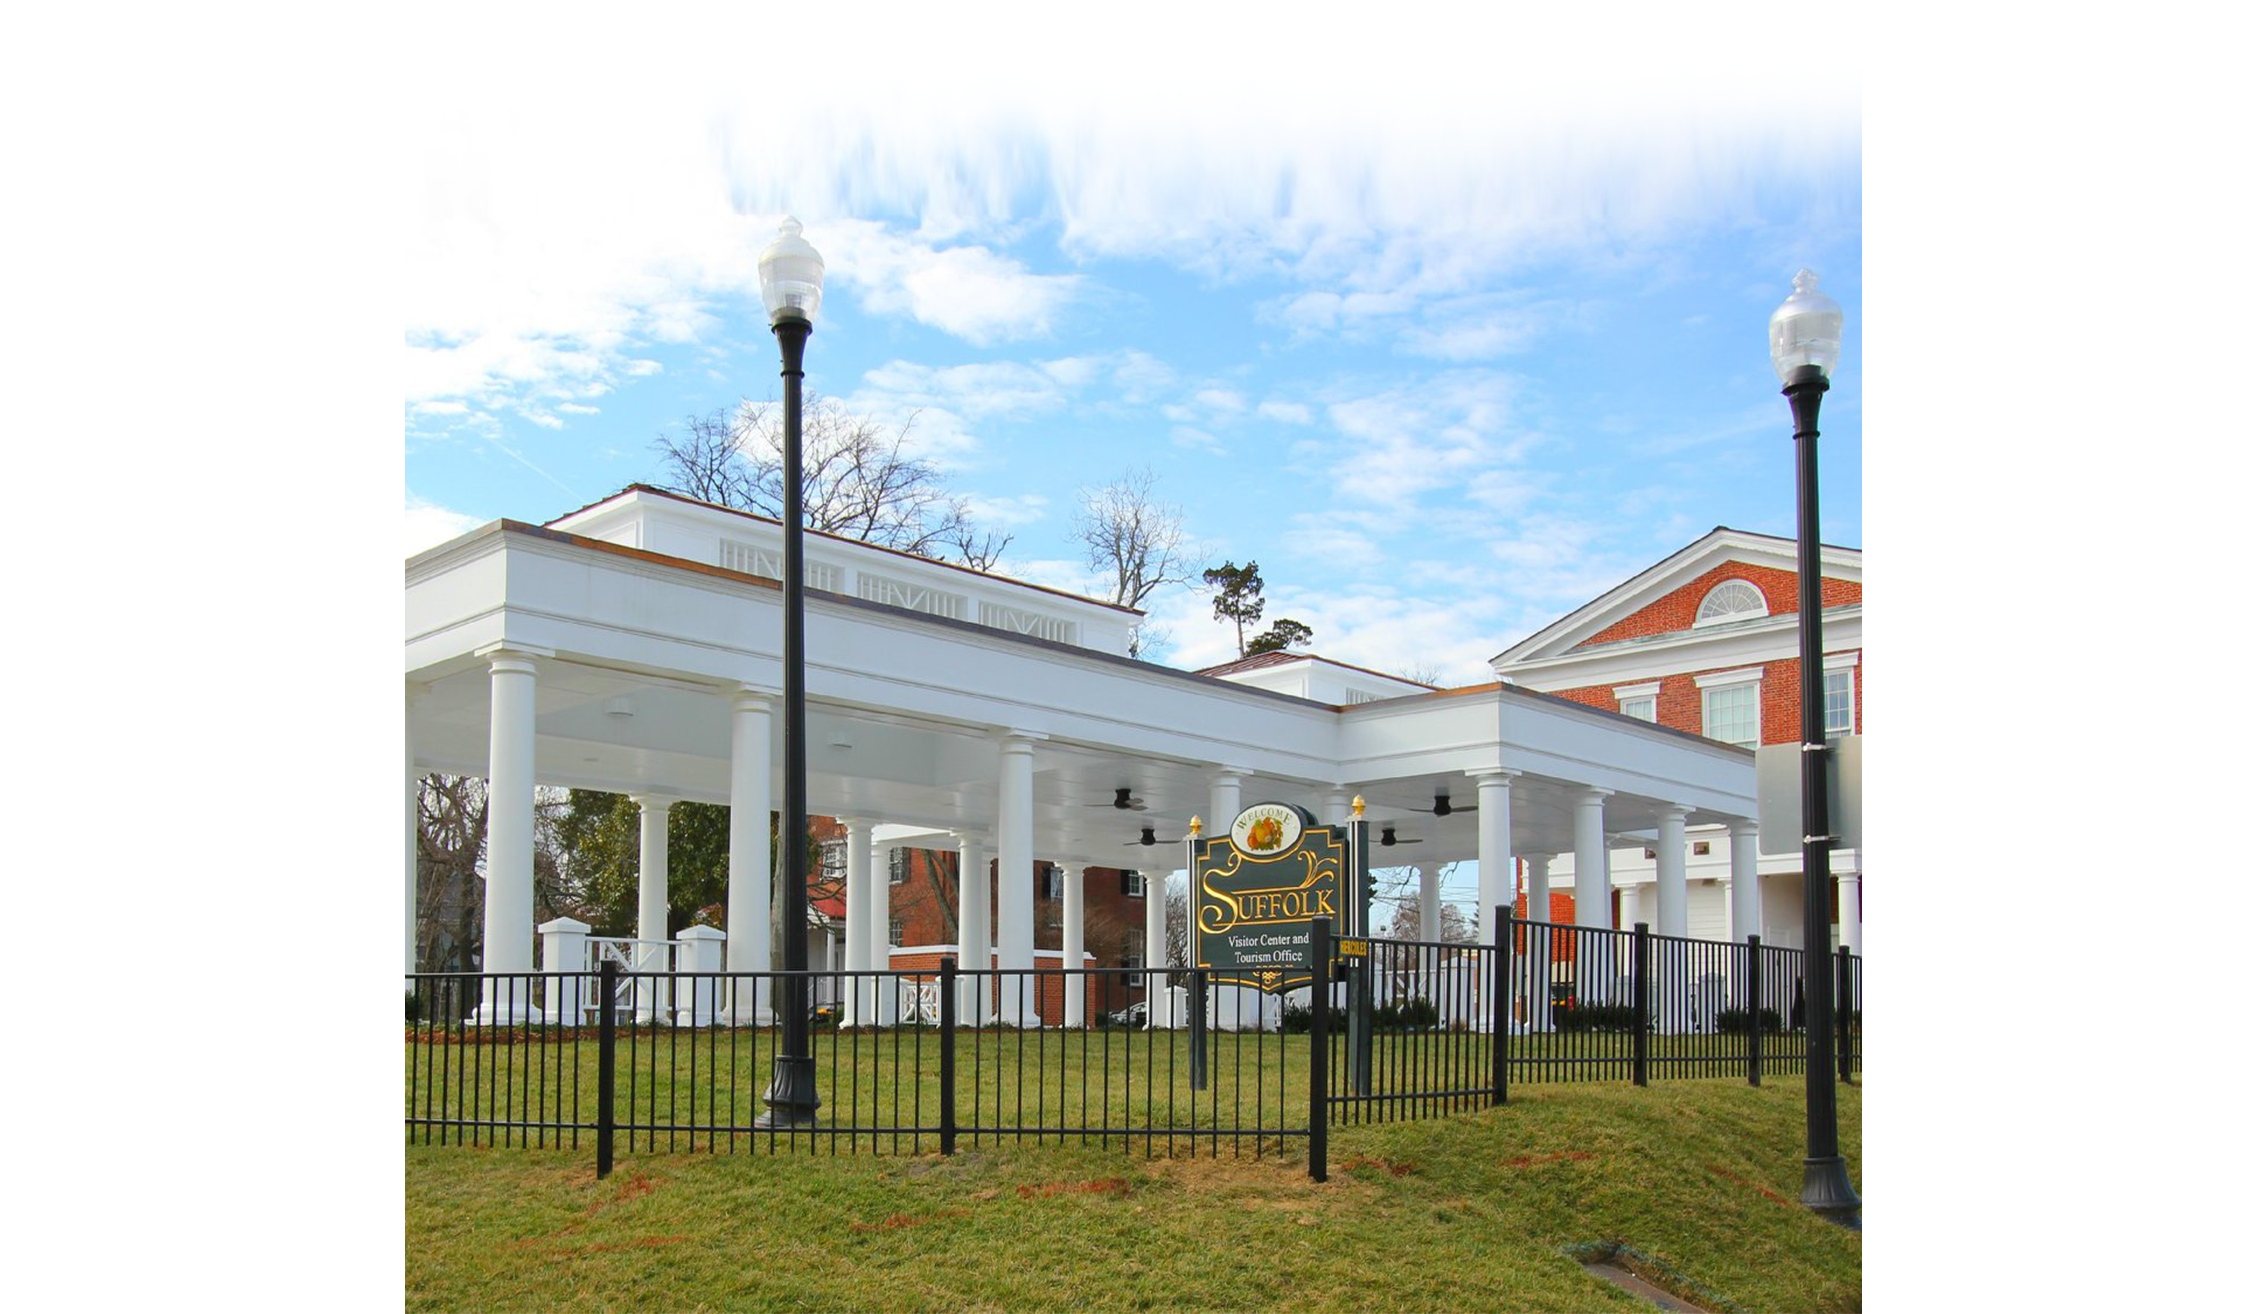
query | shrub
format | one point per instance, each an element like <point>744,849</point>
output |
<point>1599,1017</point>
<point>1420,1014</point>
<point>1735,1019</point>
<point>416,1005</point>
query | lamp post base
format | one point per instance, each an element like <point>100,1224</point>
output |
<point>1827,1192</point>
<point>793,1097</point>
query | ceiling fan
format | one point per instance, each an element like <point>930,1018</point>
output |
<point>1124,802</point>
<point>1440,807</point>
<point>1388,839</point>
<point>1148,836</point>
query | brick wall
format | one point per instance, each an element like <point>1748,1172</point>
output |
<point>1781,591</point>
<point>1680,708</point>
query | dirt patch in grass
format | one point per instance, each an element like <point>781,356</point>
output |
<point>897,1222</point>
<point>637,1186</point>
<point>1563,1156</point>
<point>1396,1168</point>
<point>1110,1186</point>
<point>1736,1180</point>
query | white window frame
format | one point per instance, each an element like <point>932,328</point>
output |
<point>896,931</point>
<point>1837,664</point>
<point>1132,884</point>
<point>900,864</point>
<point>1050,886</point>
<point>834,857</point>
<point>1749,675</point>
<point>1625,694</point>
<point>1726,619</point>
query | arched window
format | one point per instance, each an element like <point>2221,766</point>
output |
<point>1733,599</point>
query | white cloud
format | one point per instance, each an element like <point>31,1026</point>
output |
<point>1286,412</point>
<point>427,524</point>
<point>967,291</point>
<point>1007,512</point>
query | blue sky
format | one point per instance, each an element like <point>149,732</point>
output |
<point>1444,370</point>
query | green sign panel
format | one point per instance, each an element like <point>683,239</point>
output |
<point>1254,894</point>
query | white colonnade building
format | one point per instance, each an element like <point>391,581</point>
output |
<point>633,647</point>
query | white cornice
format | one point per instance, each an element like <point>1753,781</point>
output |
<point>1776,639</point>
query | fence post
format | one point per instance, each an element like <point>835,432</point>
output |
<point>1642,1048</point>
<point>608,984</point>
<point>1754,1010</point>
<point>1318,1056</point>
<point>948,1026</point>
<point>1502,1003</point>
<point>1844,1003</point>
<point>1198,1019</point>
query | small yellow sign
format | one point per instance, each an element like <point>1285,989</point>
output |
<point>1353,948</point>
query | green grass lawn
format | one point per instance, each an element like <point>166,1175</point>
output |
<point>1471,1211</point>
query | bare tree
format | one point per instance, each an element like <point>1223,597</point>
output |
<point>858,480</point>
<point>1132,536</point>
<point>1423,672</point>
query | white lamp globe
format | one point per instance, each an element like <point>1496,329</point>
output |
<point>1805,330</point>
<point>793,275</point>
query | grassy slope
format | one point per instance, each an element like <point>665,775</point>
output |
<point>1467,1212</point>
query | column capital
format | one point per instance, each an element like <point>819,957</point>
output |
<point>750,697</point>
<point>1591,794</point>
<point>648,802</point>
<point>1223,774</point>
<point>1744,827</point>
<point>974,838</point>
<point>511,657</point>
<point>1014,740</point>
<point>1492,775</point>
<point>1676,810</point>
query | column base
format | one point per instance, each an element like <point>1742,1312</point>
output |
<point>1827,1192</point>
<point>793,1097</point>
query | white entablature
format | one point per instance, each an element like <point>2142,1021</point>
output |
<point>655,520</point>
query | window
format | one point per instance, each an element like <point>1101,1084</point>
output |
<point>1733,599</point>
<point>833,859</point>
<point>1131,883</point>
<point>899,861</point>
<point>1641,701</point>
<point>1840,703</point>
<point>1728,712</point>
<point>1052,889</point>
<point>896,930</point>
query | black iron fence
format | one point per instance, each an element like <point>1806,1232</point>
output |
<point>1168,1062</point>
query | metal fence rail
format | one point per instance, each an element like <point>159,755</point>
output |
<point>1169,1062</point>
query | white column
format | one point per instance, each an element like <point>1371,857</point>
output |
<point>1154,954</point>
<point>1668,871</point>
<point>1337,807</point>
<point>1534,969</point>
<point>1495,877</point>
<point>508,914</point>
<point>747,898</point>
<point>1227,798</point>
<point>652,897</point>
<point>1428,903</point>
<point>1593,885</point>
<point>857,919</point>
<point>975,919</point>
<point>409,846</point>
<point>1852,916</point>
<point>1075,988</point>
<point>885,989</point>
<point>1746,882</point>
<point>1018,1001</point>
<point>1671,892</point>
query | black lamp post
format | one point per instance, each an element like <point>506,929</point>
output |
<point>1805,341</point>
<point>792,276</point>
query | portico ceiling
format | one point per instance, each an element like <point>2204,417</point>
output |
<point>636,659</point>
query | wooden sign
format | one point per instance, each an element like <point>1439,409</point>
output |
<point>1254,894</point>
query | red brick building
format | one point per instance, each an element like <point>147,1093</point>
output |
<point>1706,641</point>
